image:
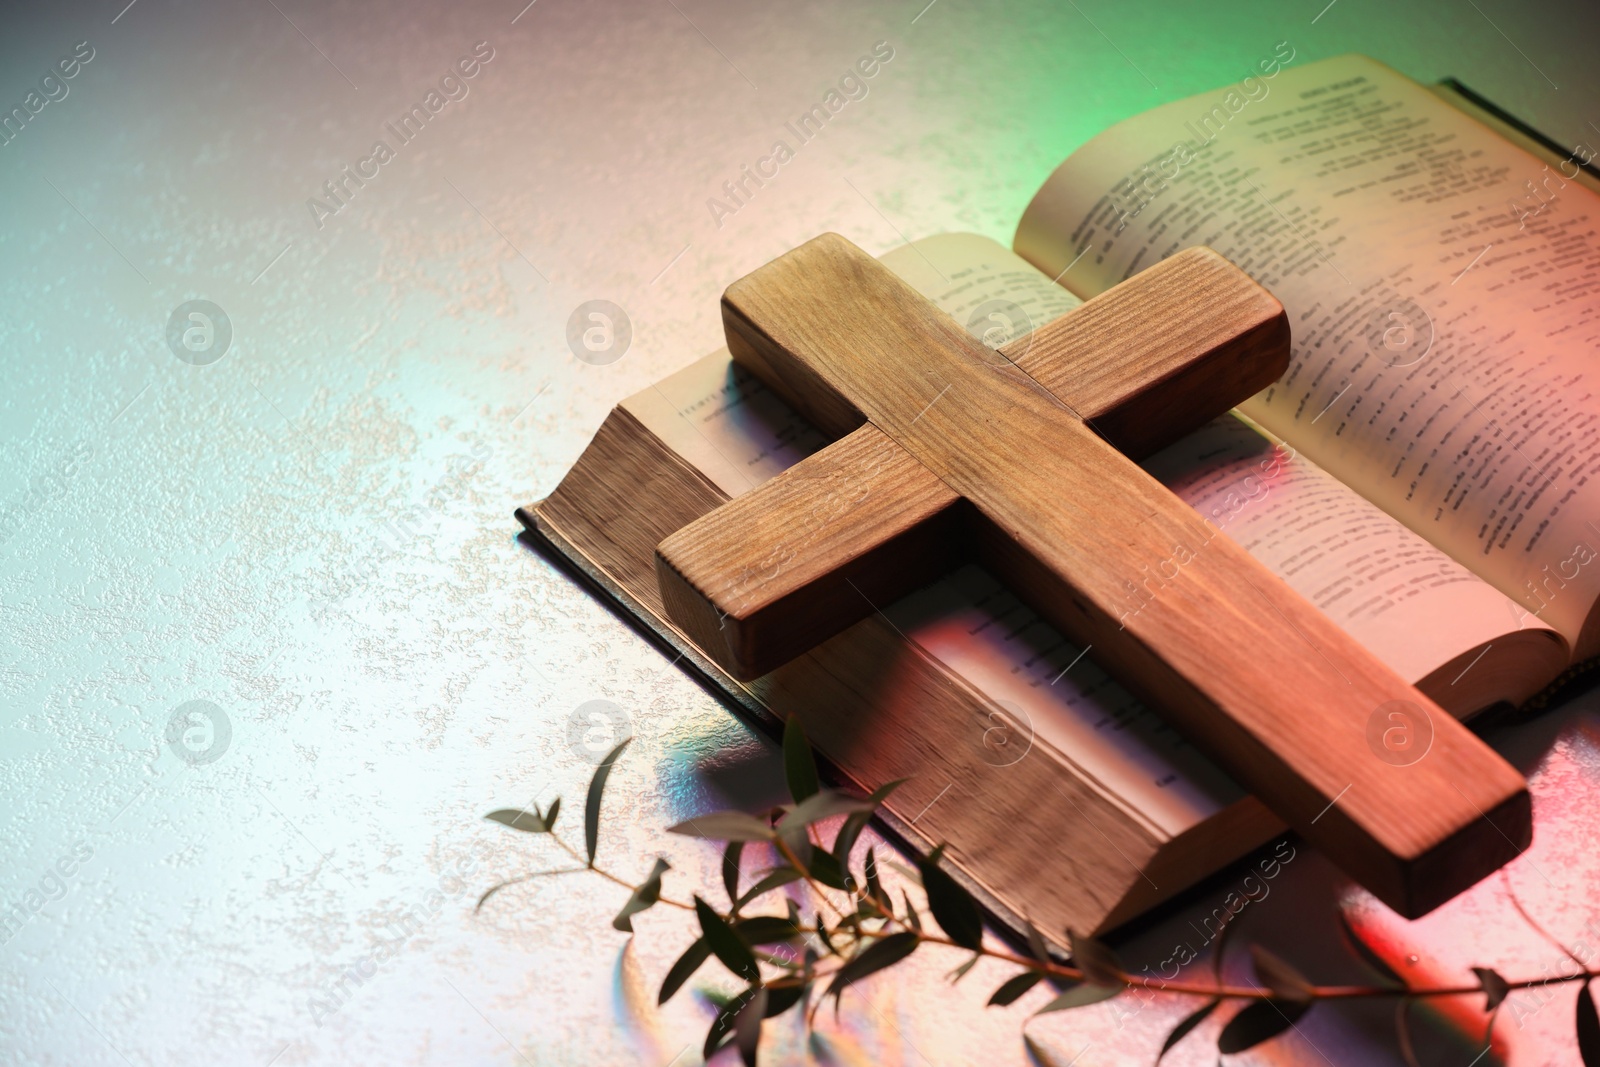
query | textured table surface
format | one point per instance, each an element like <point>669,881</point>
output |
<point>305,521</point>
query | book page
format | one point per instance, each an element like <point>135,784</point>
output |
<point>729,426</point>
<point>1413,606</point>
<point>1443,288</point>
<point>995,293</point>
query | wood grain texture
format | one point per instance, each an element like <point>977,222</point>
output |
<point>863,523</point>
<point>1035,837</point>
<point>1253,674</point>
<point>1153,359</point>
<point>809,552</point>
<point>765,579</point>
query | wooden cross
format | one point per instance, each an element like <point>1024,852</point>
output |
<point>948,451</point>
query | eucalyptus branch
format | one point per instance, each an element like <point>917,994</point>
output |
<point>816,887</point>
<point>1241,992</point>
<point>613,878</point>
<point>778,981</point>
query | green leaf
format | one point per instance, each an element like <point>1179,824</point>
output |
<point>777,877</point>
<point>1014,987</point>
<point>854,824</point>
<point>725,944</point>
<point>1495,987</point>
<point>643,897</point>
<point>905,872</point>
<point>1080,995</point>
<point>747,1026</point>
<point>738,1022</point>
<point>765,929</point>
<point>1190,1021</point>
<point>550,816</point>
<point>591,807</point>
<point>687,964</point>
<point>848,834</point>
<point>912,918</point>
<point>822,932</point>
<point>875,957</point>
<point>730,869</point>
<point>1588,1028</point>
<point>953,907</point>
<point>1036,945</point>
<point>823,804</point>
<point>529,822</point>
<point>1365,952</point>
<point>1100,965</point>
<point>783,998</point>
<point>727,1017</point>
<point>874,889</point>
<point>961,971</point>
<point>1261,1021</point>
<point>724,826</point>
<point>1279,977</point>
<point>825,869</point>
<point>800,845</point>
<point>799,766</point>
<point>880,794</point>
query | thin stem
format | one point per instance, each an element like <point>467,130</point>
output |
<point>1057,970</point>
<point>1237,992</point>
<point>608,876</point>
<point>816,887</point>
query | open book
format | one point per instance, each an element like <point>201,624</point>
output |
<point>1422,474</point>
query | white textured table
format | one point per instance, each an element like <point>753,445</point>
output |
<point>309,529</point>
